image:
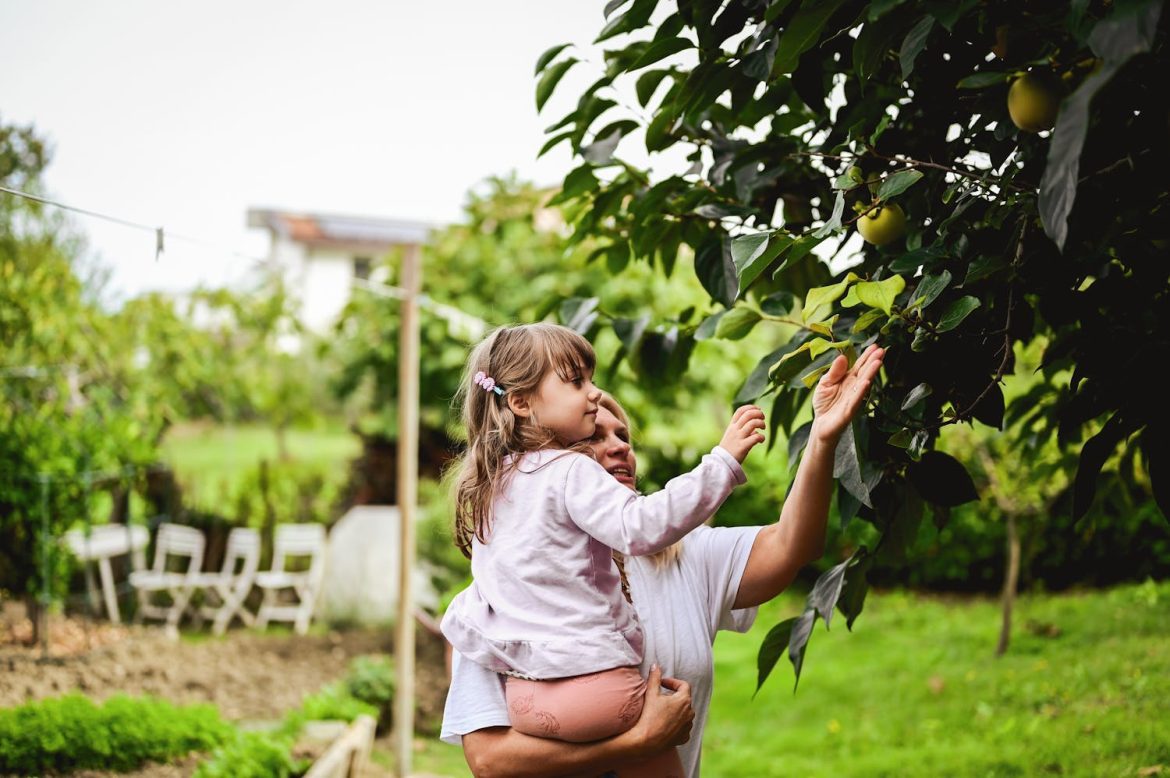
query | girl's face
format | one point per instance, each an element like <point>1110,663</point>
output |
<point>567,407</point>
<point>611,448</point>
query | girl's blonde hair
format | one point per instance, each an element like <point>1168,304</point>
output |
<point>670,554</point>
<point>517,358</point>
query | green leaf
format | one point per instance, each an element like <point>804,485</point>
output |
<point>920,257</point>
<point>880,294</point>
<point>1094,454</point>
<point>550,79</point>
<point>753,253</point>
<point>834,222</point>
<point>797,442</point>
<point>612,6</point>
<point>957,311</point>
<point>716,270</point>
<point>579,313</point>
<point>737,323</point>
<point>802,33</point>
<point>901,438</point>
<point>930,287</point>
<point>851,300</point>
<point>647,83</point>
<point>915,396</point>
<point>549,55</point>
<point>774,645</point>
<point>898,183</point>
<point>982,79</point>
<point>798,641</point>
<point>810,378</point>
<point>827,590</point>
<point>757,381</point>
<point>579,181</point>
<point>660,50</point>
<point>848,469</point>
<point>635,18</point>
<point>852,598</point>
<point>706,330</point>
<point>824,327</point>
<point>600,151</point>
<point>658,131</point>
<point>823,296</point>
<point>778,304</point>
<point>914,43</point>
<point>630,331</point>
<point>942,479</point>
<point>553,141</point>
<point>866,320</point>
<point>871,46</point>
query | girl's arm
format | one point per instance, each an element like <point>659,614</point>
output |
<point>665,722</point>
<point>798,536</point>
<point>638,525</point>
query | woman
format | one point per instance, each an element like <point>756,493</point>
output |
<point>713,579</point>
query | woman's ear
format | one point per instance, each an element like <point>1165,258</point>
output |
<point>519,405</point>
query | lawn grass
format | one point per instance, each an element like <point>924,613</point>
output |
<point>916,690</point>
<point>209,460</point>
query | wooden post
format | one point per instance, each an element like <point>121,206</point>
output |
<point>407,490</point>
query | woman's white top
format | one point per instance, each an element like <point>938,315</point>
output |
<point>546,598</point>
<point>681,607</point>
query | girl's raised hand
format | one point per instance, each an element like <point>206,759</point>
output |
<point>744,432</point>
<point>841,392</point>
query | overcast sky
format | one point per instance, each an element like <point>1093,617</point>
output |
<point>185,115</point>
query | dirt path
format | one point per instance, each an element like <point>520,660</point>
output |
<point>247,676</point>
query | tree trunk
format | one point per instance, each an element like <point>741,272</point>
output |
<point>282,443</point>
<point>1011,579</point>
<point>37,617</point>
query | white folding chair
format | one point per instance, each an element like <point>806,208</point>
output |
<point>305,541</point>
<point>224,592</point>
<point>172,540</point>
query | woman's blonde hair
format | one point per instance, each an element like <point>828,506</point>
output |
<point>670,554</point>
<point>517,358</point>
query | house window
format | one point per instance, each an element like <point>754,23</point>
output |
<point>361,268</point>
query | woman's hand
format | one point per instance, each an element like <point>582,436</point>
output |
<point>841,392</point>
<point>666,718</point>
<point>743,433</point>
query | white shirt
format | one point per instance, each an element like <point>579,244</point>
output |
<point>681,608</point>
<point>546,597</point>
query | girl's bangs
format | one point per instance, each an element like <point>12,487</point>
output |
<point>569,354</point>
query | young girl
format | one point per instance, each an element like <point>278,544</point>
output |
<point>540,518</point>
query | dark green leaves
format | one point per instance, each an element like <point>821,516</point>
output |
<point>1094,453</point>
<point>753,253</point>
<point>579,313</point>
<point>660,50</point>
<point>897,184</point>
<point>737,323</point>
<point>942,479</point>
<point>716,270</point>
<point>548,56</point>
<point>913,44</point>
<point>548,82</point>
<point>802,33</point>
<point>1128,32</point>
<point>774,645</point>
<point>957,311</point>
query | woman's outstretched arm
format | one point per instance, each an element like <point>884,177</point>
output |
<point>665,722</point>
<point>798,536</point>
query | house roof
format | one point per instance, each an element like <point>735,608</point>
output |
<point>337,229</point>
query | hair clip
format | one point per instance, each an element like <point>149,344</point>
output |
<point>488,383</point>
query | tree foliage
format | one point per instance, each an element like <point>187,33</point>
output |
<point>799,119</point>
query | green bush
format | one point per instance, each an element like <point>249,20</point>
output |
<point>72,733</point>
<point>371,681</point>
<point>252,755</point>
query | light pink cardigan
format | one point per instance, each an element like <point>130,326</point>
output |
<point>546,598</point>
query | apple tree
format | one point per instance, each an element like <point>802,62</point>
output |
<point>1006,167</point>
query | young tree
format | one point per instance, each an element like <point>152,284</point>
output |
<point>1005,164</point>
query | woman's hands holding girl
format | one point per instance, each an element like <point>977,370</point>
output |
<point>841,392</point>
<point>743,433</point>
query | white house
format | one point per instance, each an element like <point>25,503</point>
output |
<point>322,256</point>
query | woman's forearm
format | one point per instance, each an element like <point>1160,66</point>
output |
<point>798,536</point>
<point>502,751</point>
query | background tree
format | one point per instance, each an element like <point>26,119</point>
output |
<point>927,125</point>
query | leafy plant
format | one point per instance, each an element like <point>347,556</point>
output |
<point>73,733</point>
<point>798,119</point>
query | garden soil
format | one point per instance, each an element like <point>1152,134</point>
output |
<point>248,676</point>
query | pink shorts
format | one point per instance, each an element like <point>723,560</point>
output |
<point>578,709</point>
